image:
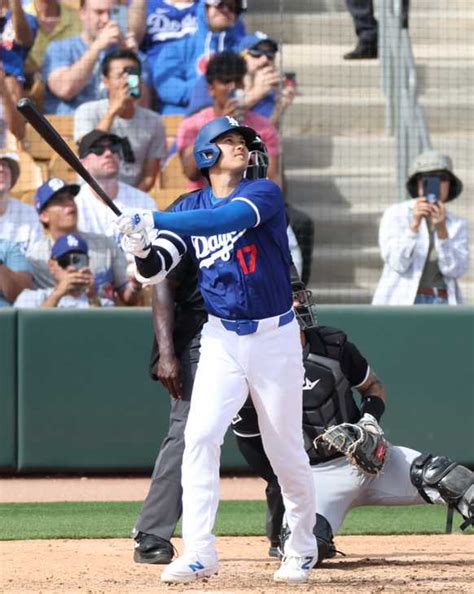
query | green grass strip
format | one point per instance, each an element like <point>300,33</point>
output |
<point>24,521</point>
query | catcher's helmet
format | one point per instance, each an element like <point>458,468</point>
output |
<point>206,151</point>
<point>302,305</point>
<point>258,160</point>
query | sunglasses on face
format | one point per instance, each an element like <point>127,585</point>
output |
<point>78,260</point>
<point>100,150</point>
<point>258,53</point>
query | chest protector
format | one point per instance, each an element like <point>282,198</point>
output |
<point>327,395</point>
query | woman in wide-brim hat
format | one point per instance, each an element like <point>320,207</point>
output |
<point>424,246</point>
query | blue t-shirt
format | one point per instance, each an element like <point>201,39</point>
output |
<point>66,52</point>
<point>244,274</point>
<point>12,256</point>
<point>13,54</point>
<point>165,22</point>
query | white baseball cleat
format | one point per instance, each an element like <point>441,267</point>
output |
<point>294,570</point>
<point>189,568</point>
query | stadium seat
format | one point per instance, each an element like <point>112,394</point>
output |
<point>172,175</point>
<point>31,177</point>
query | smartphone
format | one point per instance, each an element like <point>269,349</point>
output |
<point>290,79</point>
<point>431,188</point>
<point>119,14</point>
<point>133,81</point>
<point>79,261</point>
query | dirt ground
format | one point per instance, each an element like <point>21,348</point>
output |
<point>441,563</point>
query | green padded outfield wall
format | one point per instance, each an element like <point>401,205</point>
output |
<point>85,398</point>
<point>425,357</point>
<point>8,402</point>
<point>85,402</point>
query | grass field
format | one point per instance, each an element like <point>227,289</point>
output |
<point>24,521</point>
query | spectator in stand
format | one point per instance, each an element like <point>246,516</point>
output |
<point>182,61</point>
<point>15,272</point>
<point>56,21</point>
<point>74,283</point>
<point>366,28</point>
<point>425,247</point>
<point>17,33</point>
<point>225,73</point>
<point>120,115</point>
<point>267,92</point>
<point>71,66</point>
<point>99,153</point>
<point>57,212</point>
<point>155,22</point>
<point>10,91</point>
<point>18,221</point>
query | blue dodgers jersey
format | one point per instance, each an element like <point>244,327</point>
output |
<point>244,274</point>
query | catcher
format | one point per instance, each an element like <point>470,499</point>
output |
<point>352,462</point>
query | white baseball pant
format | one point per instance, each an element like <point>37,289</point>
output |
<point>343,487</point>
<point>267,363</point>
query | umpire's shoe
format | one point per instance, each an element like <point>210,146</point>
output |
<point>294,570</point>
<point>152,549</point>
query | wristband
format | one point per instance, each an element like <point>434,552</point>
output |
<point>373,405</point>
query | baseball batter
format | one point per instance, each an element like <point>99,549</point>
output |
<point>333,366</point>
<point>236,231</point>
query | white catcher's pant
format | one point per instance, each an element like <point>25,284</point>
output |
<point>342,487</point>
<point>269,365</point>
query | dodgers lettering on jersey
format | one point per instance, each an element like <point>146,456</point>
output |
<point>166,22</point>
<point>244,274</point>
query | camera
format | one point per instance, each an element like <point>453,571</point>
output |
<point>133,81</point>
<point>431,188</point>
<point>77,260</point>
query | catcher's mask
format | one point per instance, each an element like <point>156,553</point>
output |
<point>302,298</point>
<point>258,160</point>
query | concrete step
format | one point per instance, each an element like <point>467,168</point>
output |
<point>337,293</point>
<point>322,66</point>
<point>318,6</point>
<point>426,26</point>
<point>360,112</point>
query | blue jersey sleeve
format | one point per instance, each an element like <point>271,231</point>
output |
<point>235,216</point>
<point>264,197</point>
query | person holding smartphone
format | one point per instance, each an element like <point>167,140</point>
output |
<point>425,247</point>
<point>74,283</point>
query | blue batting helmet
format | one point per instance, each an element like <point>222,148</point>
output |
<point>206,151</point>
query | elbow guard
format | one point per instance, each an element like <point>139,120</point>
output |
<point>167,250</point>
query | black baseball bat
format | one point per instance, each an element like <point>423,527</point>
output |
<point>44,128</point>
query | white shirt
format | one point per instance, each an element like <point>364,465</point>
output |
<point>32,299</point>
<point>20,224</point>
<point>405,252</point>
<point>95,217</point>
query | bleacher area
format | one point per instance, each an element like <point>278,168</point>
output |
<point>38,162</point>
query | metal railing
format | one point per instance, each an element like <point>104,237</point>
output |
<point>404,116</point>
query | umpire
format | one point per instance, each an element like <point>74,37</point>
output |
<point>178,317</point>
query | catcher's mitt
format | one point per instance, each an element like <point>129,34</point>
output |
<point>368,451</point>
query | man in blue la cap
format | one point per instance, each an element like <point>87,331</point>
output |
<point>235,230</point>
<point>57,212</point>
<point>74,284</point>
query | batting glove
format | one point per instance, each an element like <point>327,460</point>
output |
<point>370,424</point>
<point>136,222</point>
<point>136,244</point>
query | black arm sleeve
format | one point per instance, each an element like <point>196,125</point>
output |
<point>353,365</point>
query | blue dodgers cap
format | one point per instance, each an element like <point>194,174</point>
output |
<point>253,39</point>
<point>71,242</point>
<point>51,187</point>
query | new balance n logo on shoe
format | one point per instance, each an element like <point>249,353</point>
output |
<point>196,566</point>
<point>307,563</point>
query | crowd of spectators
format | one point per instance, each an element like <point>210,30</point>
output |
<point>118,69</point>
<point>115,68</point>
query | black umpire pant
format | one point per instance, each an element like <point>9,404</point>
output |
<point>162,507</point>
<point>362,13</point>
